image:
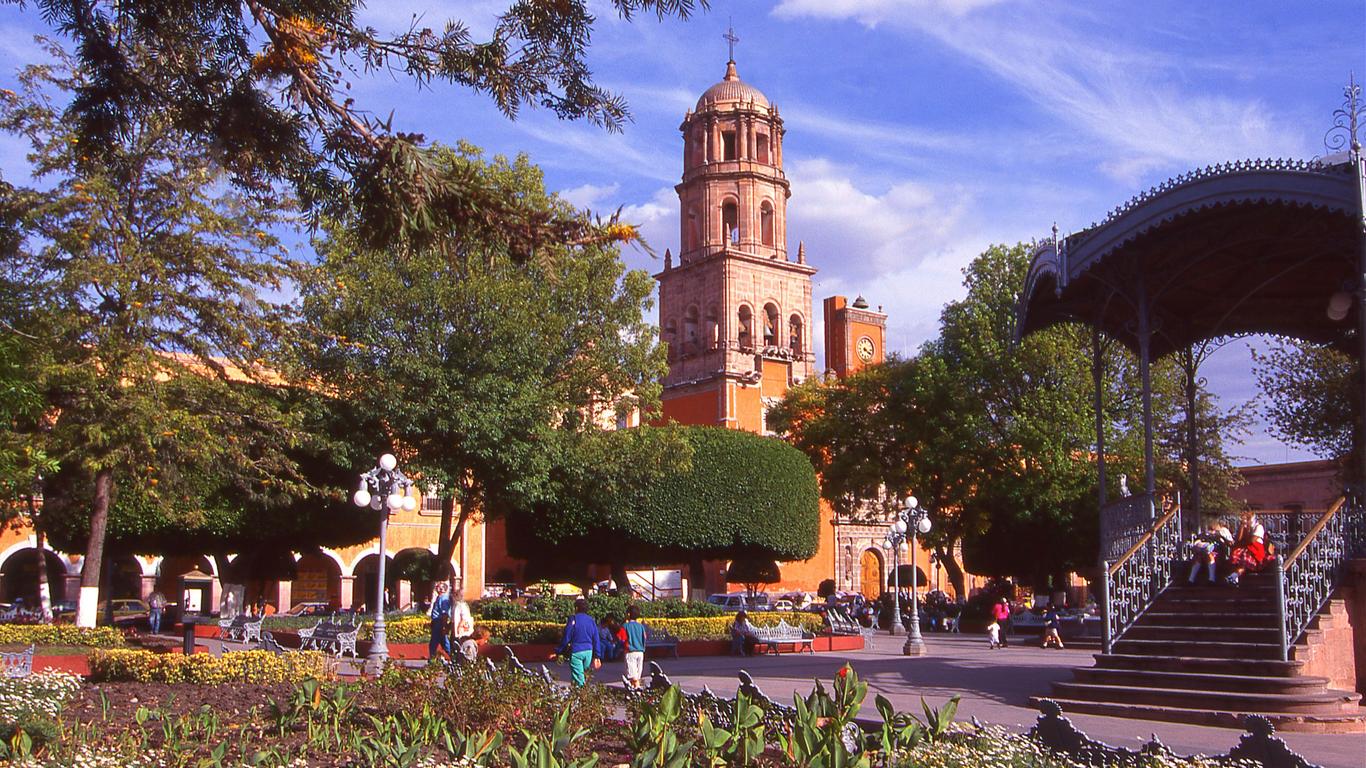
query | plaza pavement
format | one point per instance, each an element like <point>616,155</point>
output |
<point>995,686</point>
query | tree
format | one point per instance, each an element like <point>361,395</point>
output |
<point>146,279</point>
<point>753,572</point>
<point>738,496</point>
<point>266,85</point>
<point>1310,396</point>
<point>483,369</point>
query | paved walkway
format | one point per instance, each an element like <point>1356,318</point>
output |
<point>995,686</point>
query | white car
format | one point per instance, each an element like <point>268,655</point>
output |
<point>783,605</point>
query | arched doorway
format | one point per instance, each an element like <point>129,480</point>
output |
<point>870,580</point>
<point>318,580</point>
<point>367,575</point>
<point>19,577</point>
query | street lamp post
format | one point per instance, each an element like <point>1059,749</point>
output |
<point>896,535</point>
<point>911,520</point>
<point>385,490</point>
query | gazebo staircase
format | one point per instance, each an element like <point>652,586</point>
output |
<point>1214,654</point>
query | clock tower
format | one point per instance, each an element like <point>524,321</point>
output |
<point>735,311</point>
<point>855,336</point>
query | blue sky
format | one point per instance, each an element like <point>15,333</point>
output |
<point>918,131</point>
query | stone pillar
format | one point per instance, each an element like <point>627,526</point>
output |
<point>216,596</point>
<point>149,585</point>
<point>282,598</point>
<point>347,599</point>
<point>73,585</point>
<point>405,593</point>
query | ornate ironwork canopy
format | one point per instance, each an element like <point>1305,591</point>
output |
<point>1248,247</point>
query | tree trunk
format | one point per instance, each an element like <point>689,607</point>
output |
<point>92,569</point>
<point>621,579</point>
<point>44,586</point>
<point>232,594</point>
<point>452,528</point>
<point>954,571</point>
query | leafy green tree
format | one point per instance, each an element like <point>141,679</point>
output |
<point>738,496</point>
<point>484,370</point>
<point>266,85</point>
<point>148,282</point>
<point>1311,396</point>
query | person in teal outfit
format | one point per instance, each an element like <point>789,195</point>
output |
<point>582,642</point>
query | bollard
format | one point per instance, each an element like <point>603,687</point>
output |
<point>188,624</point>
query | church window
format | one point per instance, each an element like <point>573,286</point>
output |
<point>766,223</point>
<point>794,334</point>
<point>671,339</point>
<point>761,147</point>
<point>693,235</point>
<point>730,221</point>
<point>690,330</point>
<point>745,337</point>
<point>712,328</point>
<point>770,325</point>
<point>728,145</point>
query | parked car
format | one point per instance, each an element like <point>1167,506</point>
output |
<point>783,605</point>
<point>310,609</point>
<point>64,611</point>
<point>128,612</point>
<point>734,601</point>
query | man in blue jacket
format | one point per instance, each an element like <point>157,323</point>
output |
<point>440,616</point>
<point>582,643</point>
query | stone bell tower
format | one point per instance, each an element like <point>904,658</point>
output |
<point>735,311</point>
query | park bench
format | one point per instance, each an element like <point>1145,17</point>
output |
<point>839,623</point>
<point>331,637</point>
<point>17,663</point>
<point>656,637</point>
<point>772,638</point>
<point>269,643</point>
<point>242,629</point>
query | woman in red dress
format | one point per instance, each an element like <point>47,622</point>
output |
<point>1249,549</point>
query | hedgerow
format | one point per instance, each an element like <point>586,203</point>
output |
<point>415,629</point>
<point>233,667</point>
<point>60,634</point>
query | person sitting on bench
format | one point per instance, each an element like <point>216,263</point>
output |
<point>742,638</point>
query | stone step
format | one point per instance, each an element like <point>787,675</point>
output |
<point>1203,681</point>
<point>1202,633</point>
<point>1156,663</point>
<point>1305,723</point>
<point>1157,616</point>
<point>1323,702</point>
<point>1184,604</point>
<point>1209,649</point>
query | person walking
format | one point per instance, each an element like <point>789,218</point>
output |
<point>1051,625</point>
<point>1000,614</point>
<point>440,616</point>
<point>156,606</point>
<point>633,636</point>
<point>462,624</point>
<point>582,643</point>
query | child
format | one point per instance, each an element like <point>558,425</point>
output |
<point>994,635</point>
<point>1205,550</point>
<point>632,635</point>
<point>1050,628</point>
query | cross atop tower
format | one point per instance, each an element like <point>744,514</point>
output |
<point>731,39</point>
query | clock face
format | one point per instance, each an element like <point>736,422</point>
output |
<point>865,349</point>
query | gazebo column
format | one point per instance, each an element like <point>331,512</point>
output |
<point>1145,333</point>
<point>1359,161</point>
<point>1097,376</point>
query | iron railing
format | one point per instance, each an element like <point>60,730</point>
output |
<point>1123,522</point>
<point>1134,581</point>
<point>1306,578</point>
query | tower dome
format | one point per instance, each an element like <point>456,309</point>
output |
<point>732,89</point>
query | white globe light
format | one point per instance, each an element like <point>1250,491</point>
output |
<point>923,525</point>
<point>362,498</point>
<point>387,462</point>
<point>375,503</point>
<point>912,502</point>
<point>394,501</point>
<point>899,526</point>
<point>409,503</point>
<point>1340,302</point>
<point>1336,313</point>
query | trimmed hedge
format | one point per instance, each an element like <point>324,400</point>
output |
<point>415,629</point>
<point>60,634</point>
<point>121,665</point>
<point>560,608</point>
<point>739,495</point>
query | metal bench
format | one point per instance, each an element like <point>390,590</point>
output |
<point>656,637</point>
<point>241,629</point>
<point>17,663</point>
<point>332,637</point>
<point>772,638</point>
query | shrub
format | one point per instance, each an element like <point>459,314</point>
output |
<point>560,608</point>
<point>60,634</point>
<point>233,667</point>
<point>415,629</point>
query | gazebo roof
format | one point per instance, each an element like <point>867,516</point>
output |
<point>1255,246</point>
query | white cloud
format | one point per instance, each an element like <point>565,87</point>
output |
<point>874,12</point>
<point>589,195</point>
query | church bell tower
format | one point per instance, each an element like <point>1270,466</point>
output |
<point>735,311</point>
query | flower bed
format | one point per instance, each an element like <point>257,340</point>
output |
<point>232,667</point>
<point>60,634</point>
<point>416,629</point>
